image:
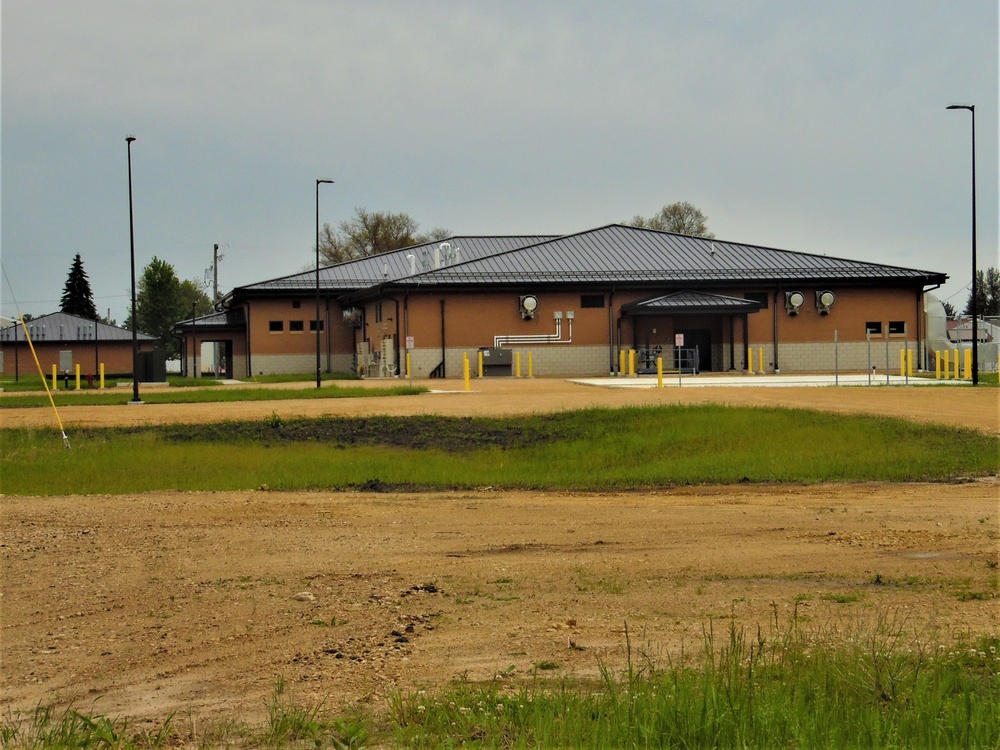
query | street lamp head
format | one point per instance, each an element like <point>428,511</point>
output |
<point>327,182</point>
<point>970,107</point>
<point>129,138</point>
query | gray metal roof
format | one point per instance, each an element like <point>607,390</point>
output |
<point>693,303</point>
<point>622,254</point>
<point>376,269</point>
<point>63,327</point>
<point>233,319</point>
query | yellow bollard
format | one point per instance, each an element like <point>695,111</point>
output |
<point>902,362</point>
<point>631,362</point>
<point>531,366</point>
<point>946,364</point>
<point>750,359</point>
<point>957,373</point>
<point>968,364</point>
<point>480,362</point>
<point>55,378</point>
<point>408,365</point>
<point>909,363</point>
<point>659,372</point>
<point>101,368</point>
<point>465,370</point>
<point>77,368</point>
<point>517,364</point>
<point>621,361</point>
<point>937,365</point>
<point>760,359</point>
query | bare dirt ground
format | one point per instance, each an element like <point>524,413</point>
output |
<point>198,602</point>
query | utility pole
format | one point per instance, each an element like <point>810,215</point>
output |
<point>215,274</point>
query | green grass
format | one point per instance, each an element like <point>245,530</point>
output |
<point>787,689</point>
<point>596,449</point>
<point>769,687</point>
<point>187,395</point>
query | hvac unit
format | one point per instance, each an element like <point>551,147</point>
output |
<point>529,304</point>
<point>793,302</point>
<point>824,301</point>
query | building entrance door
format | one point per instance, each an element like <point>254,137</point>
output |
<point>700,339</point>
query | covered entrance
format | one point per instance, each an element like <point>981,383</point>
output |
<point>691,331</point>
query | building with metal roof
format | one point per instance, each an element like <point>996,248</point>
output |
<point>575,303</point>
<point>64,341</point>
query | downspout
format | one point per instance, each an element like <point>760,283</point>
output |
<point>399,364</point>
<point>246,334</point>
<point>618,337</point>
<point>777,367</point>
<point>611,331</point>
<point>746,339</point>
<point>444,367</point>
<point>406,320</point>
<point>732,343</point>
<point>326,329</point>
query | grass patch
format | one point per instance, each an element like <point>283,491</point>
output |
<point>595,449</point>
<point>619,449</point>
<point>120,397</point>
<point>779,688</point>
<point>769,686</point>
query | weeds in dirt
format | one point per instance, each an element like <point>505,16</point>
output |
<point>773,685</point>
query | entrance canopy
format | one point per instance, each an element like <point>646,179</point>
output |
<point>693,303</point>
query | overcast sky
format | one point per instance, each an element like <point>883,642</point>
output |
<point>811,126</point>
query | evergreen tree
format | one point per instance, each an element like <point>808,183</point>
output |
<point>987,294</point>
<point>77,299</point>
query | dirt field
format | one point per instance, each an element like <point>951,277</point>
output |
<point>197,602</point>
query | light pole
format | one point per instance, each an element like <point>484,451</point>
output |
<point>135,322</point>
<point>318,376</point>
<point>975,325</point>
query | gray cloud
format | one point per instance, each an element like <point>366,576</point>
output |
<point>807,126</point>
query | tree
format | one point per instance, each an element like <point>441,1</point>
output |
<point>679,218</point>
<point>370,233</point>
<point>162,300</point>
<point>949,309</point>
<point>987,293</point>
<point>77,299</point>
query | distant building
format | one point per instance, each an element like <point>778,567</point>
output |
<point>65,341</point>
<point>575,302</point>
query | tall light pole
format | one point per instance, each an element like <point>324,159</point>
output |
<point>135,322</point>
<point>975,325</point>
<point>318,376</point>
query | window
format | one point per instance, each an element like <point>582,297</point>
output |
<point>761,297</point>
<point>296,304</point>
<point>591,300</point>
<point>296,326</point>
<point>378,312</point>
<point>276,326</point>
<point>874,327</point>
<point>897,327</point>
<point>312,326</point>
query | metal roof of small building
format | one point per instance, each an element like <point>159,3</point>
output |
<point>232,319</point>
<point>63,327</point>
<point>377,269</point>
<point>693,303</point>
<point>629,255</point>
